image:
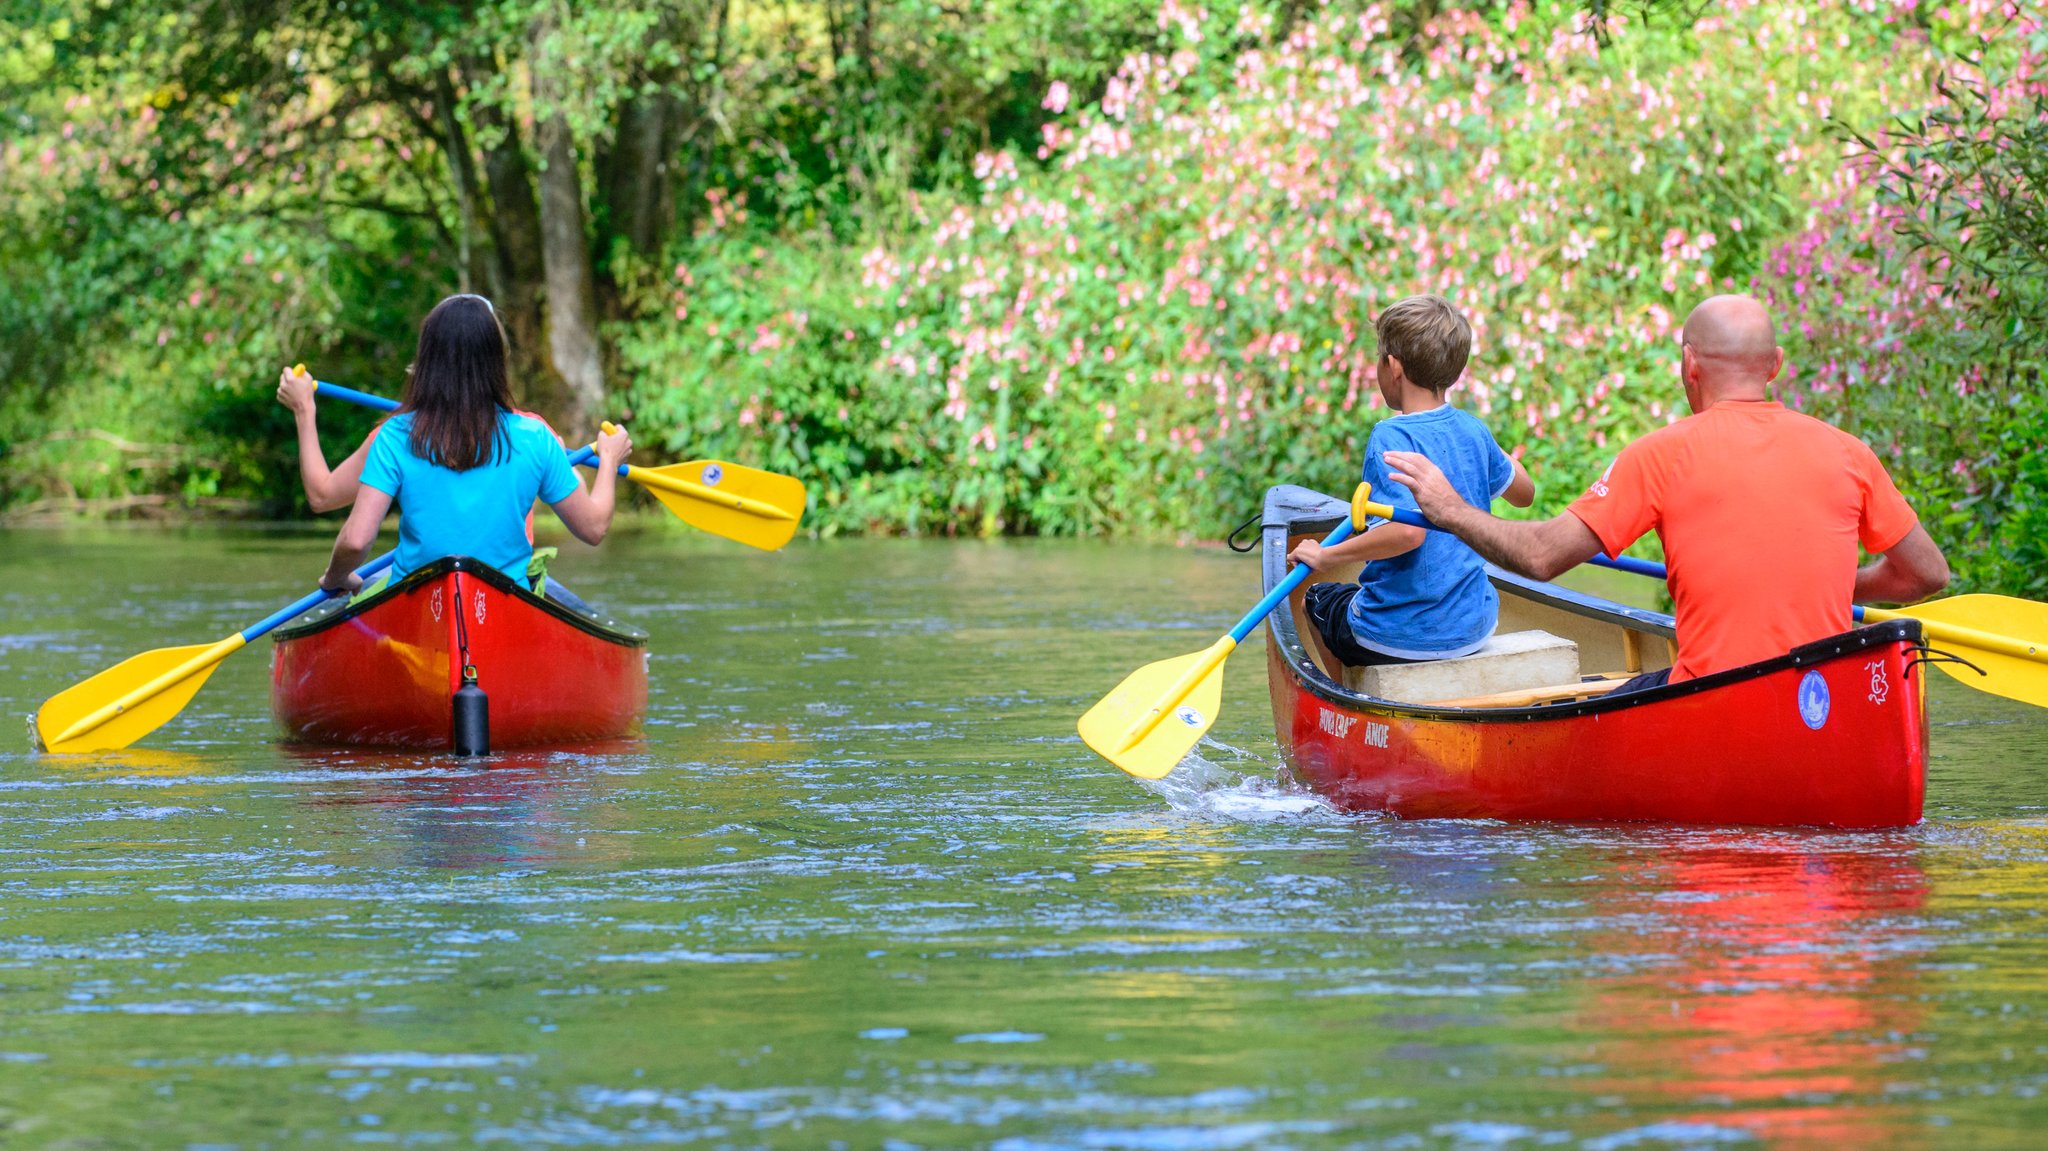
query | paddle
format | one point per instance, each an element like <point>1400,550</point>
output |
<point>141,693</point>
<point>1129,726</point>
<point>747,505</point>
<point>2012,665</point>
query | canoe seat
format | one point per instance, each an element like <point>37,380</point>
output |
<point>1516,661</point>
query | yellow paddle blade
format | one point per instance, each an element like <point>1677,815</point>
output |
<point>1150,722</point>
<point>758,508</point>
<point>2015,625</point>
<point>128,700</point>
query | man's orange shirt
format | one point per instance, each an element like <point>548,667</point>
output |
<point>1760,510</point>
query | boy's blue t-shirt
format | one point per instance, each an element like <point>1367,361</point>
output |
<point>1434,602</point>
<point>480,512</point>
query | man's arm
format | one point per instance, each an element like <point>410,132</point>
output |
<point>1539,550</point>
<point>1913,570</point>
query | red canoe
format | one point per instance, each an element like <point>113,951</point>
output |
<point>382,672</point>
<point>1832,734</point>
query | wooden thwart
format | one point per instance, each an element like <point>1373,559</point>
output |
<point>1530,697</point>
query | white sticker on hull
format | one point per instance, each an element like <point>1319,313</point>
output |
<point>1880,684</point>
<point>1813,700</point>
<point>1375,734</point>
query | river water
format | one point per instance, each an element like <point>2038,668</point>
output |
<point>861,886</point>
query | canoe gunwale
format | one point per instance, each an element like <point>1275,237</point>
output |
<point>1293,510</point>
<point>328,615</point>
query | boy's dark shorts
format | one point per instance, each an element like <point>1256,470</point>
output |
<point>1329,609</point>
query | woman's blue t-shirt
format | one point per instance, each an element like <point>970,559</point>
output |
<point>1434,602</point>
<point>480,512</point>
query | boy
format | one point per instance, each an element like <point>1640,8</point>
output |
<point>1423,595</point>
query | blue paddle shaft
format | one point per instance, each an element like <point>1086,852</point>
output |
<point>1627,564</point>
<point>581,458</point>
<point>1621,564</point>
<point>350,395</point>
<point>311,600</point>
<point>1284,588</point>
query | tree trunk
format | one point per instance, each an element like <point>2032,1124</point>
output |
<point>462,171</point>
<point>853,75</point>
<point>571,291</point>
<point>636,168</point>
<point>695,136</point>
<point>516,264</point>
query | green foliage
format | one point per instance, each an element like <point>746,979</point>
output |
<point>1059,266</point>
<point>1920,293</point>
<point>1166,307</point>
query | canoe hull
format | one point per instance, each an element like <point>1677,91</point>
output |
<point>383,672</point>
<point>1831,735</point>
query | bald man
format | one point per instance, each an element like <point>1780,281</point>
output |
<point>1761,510</point>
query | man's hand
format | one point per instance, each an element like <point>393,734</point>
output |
<point>1307,552</point>
<point>1433,493</point>
<point>295,390</point>
<point>613,447</point>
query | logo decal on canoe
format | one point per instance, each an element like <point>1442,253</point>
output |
<point>435,602</point>
<point>712,474</point>
<point>479,605</point>
<point>1338,724</point>
<point>1880,686</point>
<point>1189,716</point>
<point>1813,700</point>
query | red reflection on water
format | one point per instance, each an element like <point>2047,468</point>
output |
<point>1776,990</point>
<point>458,813</point>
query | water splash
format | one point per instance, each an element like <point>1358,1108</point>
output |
<point>1229,784</point>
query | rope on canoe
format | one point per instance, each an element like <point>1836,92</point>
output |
<point>1231,542</point>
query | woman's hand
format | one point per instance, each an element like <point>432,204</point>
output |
<point>613,447</point>
<point>295,390</point>
<point>350,584</point>
<point>1307,552</point>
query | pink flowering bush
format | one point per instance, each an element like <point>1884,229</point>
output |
<point>1916,294</point>
<point>1168,306</point>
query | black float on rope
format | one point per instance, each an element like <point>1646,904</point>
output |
<point>471,721</point>
<point>472,726</point>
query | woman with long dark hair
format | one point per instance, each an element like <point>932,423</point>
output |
<point>463,467</point>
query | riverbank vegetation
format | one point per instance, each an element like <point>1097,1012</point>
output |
<point>1059,266</point>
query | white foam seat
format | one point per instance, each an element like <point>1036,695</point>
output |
<point>1516,661</point>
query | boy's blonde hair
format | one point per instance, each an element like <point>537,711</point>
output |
<point>1429,337</point>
